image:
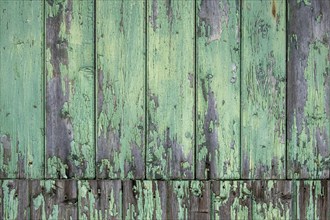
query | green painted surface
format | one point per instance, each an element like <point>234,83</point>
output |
<point>164,89</point>
<point>309,147</point>
<point>309,91</point>
<point>231,200</point>
<point>272,199</point>
<point>70,141</point>
<point>218,89</point>
<point>120,43</point>
<point>21,90</point>
<point>310,200</point>
<point>99,199</point>
<point>170,90</point>
<point>263,89</point>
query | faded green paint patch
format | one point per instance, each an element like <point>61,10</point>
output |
<point>56,167</point>
<point>9,200</point>
<point>272,200</point>
<point>70,87</point>
<point>21,90</point>
<point>309,146</point>
<point>263,88</point>
<point>39,203</point>
<point>121,67</point>
<point>231,200</point>
<point>170,95</point>
<point>99,199</point>
<point>218,95</point>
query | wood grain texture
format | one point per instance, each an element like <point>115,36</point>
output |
<point>37,196</point>
<point>99,199</point>
<point>218,89</point>
<point>21,90</point>
<point>263,89</point>
<point>231,200</point>
<point>121,71</point>
<point>58,199</point>
<point>50,199</point>
<point>272,199</point>
<point>171,90</point>
<point>309,89</point>
<point>166,200</point>
<point>70,145</point>
<point>14,200</point>
<point>312,199</point>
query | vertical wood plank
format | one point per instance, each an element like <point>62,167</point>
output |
<point>200,200</point>
<point>171,90</point>
<point>218,90</point>
<point>308,89</point>
<point>263,89</point>
<point>21,90</point>
<point>37,200</point>
<point>166,200</point>
<point>121,67</point>
<point>14,200</point>
<point>272,199</point>
<point>99,199</point>
<point>61,199</point>
<point>70,147</point>
<point>231,200</point>
<point>312,199</point>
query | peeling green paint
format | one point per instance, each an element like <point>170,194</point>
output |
<point>70,87</point>
<point>21,90</point>
<point>263,89</point>
<point>121,89</point>
<point>170,95</point>
<point>9,200</point>
<point>218,89</point>
<point>309,147</point>
<point>231,200</point>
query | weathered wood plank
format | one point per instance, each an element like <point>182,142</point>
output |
<point>308,111</point>
<point>218,89</point>
<point>37,192</point>
<point>21,90</point>
<point>272,199</point>
<point>50,199</point>
<point>70,145</point>
<point>120,89</point>
<point>231,200</point>
<point>166,200</point>
<point>141,200</point>
<point>61,199</point>
<point>263,87</point>
<point>312,199</point>
<point>200,200</point>
<point>14,200</point>
<point>99,199</point>
<point>171,90</point>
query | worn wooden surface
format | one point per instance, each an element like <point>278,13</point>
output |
<point>21,90</point>
<point>231,200</point>
<point>218,89</point>
<point>137,199</point>
<point>53,199</point>
<point>170,90</point>
<point>160,109</point>
<point>263,89</point>
<point>120,42</point>
<point>99,199</point>
<point>69,52</point>
<point>308,89</point>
